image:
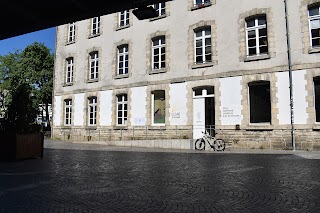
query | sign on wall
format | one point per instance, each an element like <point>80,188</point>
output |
<point>231,107</point>
<point>178,104</point>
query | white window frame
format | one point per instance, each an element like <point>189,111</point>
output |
<point>123,52</point>
<point>68,112</point>
<point>160,8</point>
<point>92,111</point>
<point>256,28</point>
<point>69,70</point>
<point>152,109</point>
<point>71,32</point>
<point>203,38</point>
<point>124,104</point>
<point>95,25</point>
<point>94,65</point>
<point>124,17</point>
<point>201,2</point>
<point>313,18</point>
<point>159,47</point>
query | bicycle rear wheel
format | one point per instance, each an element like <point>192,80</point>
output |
<point>200,144</point>
<point>219,145</point>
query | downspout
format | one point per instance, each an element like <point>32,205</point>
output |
<point>290,76</point>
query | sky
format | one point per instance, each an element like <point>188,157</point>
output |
<point>47,37</point>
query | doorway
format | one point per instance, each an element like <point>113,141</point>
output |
<point>203,111</point>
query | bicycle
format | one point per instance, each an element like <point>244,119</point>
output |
<point>214,143</point>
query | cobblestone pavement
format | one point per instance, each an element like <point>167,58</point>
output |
<point>108,179</point>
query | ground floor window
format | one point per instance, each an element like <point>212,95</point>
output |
<point>317,98</point>
<point>122,109</point>
<point>158,107</point>
<point>260,104</point>
<point>68,111</point>
<point>92,111</point>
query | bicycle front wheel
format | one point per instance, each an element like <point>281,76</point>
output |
<point>200,144</point>
<point>219,145</point>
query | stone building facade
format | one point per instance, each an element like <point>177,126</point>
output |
<point>198,65</point>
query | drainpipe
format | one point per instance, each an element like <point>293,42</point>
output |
<point>290,76</point>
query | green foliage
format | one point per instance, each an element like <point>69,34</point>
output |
<point>26,80</point>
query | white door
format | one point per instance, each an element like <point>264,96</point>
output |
<point>198,117</point>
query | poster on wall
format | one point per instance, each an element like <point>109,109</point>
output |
<point>231,114</point>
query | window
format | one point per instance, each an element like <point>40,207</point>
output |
<point>68,112</point>
<point>95,30</point>
<point>203,45</point>
<point>94,61</point>
<point>158,107</point>
<point>260,104</point>
<point>124,18</point>
<point>317,98</point>
<point>123,60</point>
<point>159,52</point>
<point>92,111</point>
<point>69,70</point>
<point>257,40</point>
<point>199,3</point>
<point>160,8</point>
<point>314,23</point>
<point>122,109</point>
<point>71,32</point>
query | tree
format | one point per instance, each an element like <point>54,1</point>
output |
<point>38,64</point>
<point>26,80</point>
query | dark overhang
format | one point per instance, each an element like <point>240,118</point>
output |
<point>18,17</point>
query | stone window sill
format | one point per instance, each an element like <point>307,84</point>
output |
<point>200,6</point>
<point>314,50</point>
<point>70,42</point>
<point>196,66</point>
<point>157,71</point>
<point>92,80</point>
<point>91,128</point>
<point>67,84</point>
<point>122,27</point>
<point>93,35</point>
<point>121,76</point>
<point>259,127</point>
<point>158,17</point>
<point>256,57</point>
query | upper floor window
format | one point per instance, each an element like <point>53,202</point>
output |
<point>201,3</point>
<point>71,32</point>
<point>95,26</point>
<point>69,70</point>
<point>94,64</point>
<point>314,23</point>
<point>122,109</point>
<point>257,40</point>
<point>260,103</point>
<point>160,8</point>
<point>124,18</point>
<point>68,112</point>
<point>123,60</point>
<point>203,45</point>
<point>92,111</point>
<point>159,52</point>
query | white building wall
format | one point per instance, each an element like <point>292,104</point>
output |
<point>178,104</point>
<point>79,109</point>
<point>57,111</point>
<point>105,108</point>
<point>299,97</point>
<point>230,90</point>
<point>138,106</point>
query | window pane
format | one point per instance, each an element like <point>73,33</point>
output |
<point>252,51</point>
<point>262,20</point>
<point>156,66</point>
<point>207,41</point>
<point>125,106</point>
<point>163,64</point>
<point>315,33</point>
<point>119,114</point>
<point>207,31</point>
<point>199,43</point>
<point>315,42</point>
<point>125,97</point>
<point>199,51</point>
<point>252,34</point>
<point>199,33</point>
<point>163,57</point>
<point>208,50</point>
<point>163,40</point>
<point>314,11</point>
<point>208,58</point>
<point>317,98</point>
<point>199,59</point>
<point>163,50</point>
<point>263,32</point>
<point>125,114</point>
<point>119,106</point>
<point>263,41</point>
<point>264,49</point>
<point>250,22</point>
<point>119,121</point>
<point>156,59</point>
<point>252,42</point>
<point>315,23</point>
<point>156,42</point>
<point>126,64</point>
<point>156,51</point>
